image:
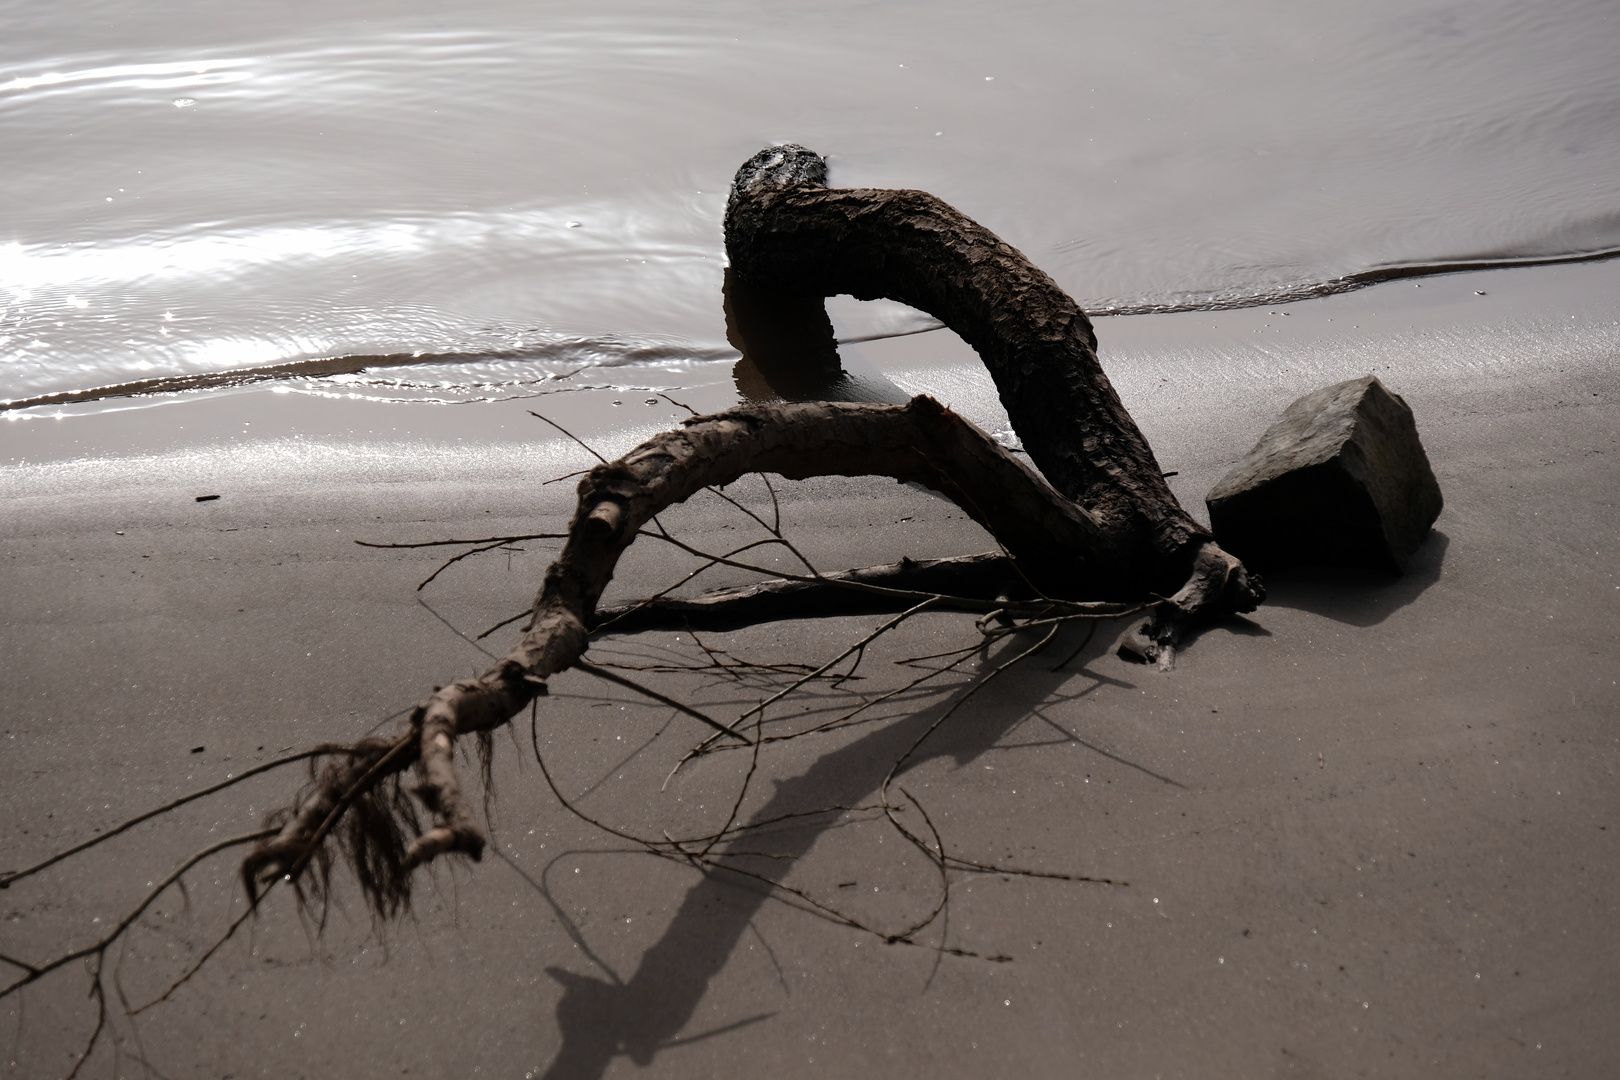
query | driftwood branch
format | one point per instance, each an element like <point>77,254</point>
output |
<point>789,235</point>
<point>1058,546</point>
<point>1106,529</point>
<point>1094,534</point>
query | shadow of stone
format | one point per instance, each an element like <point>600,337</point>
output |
<point>1354,596</point>
<point>600,1020</point>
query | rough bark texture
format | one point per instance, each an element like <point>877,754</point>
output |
<point>1340,478</point>
<point>1111,531</point>
<point>1059,545</point>
<point>1056,544</point>
<point>787,231</point>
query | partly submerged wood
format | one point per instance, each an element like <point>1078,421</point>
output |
<point>1105,528</point>
<point>787,231</point>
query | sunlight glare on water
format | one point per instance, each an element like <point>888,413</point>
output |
<point>197,187</point>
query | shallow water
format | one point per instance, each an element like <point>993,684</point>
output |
<point>193,187</point>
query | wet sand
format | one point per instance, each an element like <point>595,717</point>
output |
<point>1371,831</point>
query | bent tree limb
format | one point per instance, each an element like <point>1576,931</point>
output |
<point>787,232</point>
<point>1059,547</point>
<point>1111,531</point>
<point>1103,536</point>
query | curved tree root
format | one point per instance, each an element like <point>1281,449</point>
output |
<point>1058,547</point>
<point>1091,544</point>
<point>1110,531</point>
<point>788,233</point>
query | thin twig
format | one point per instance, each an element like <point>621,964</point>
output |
<point>479,540</point>
<point>842,720</point>
<point>7,879</point>
<point>681,404</point>
<point>742,789</point>
<point>773,530</point>
<point>957,704</point>
<point>776,507</point>
<point>936,856</point>
<point>822,670</point>
<point>504,622</point>
<point>570,434</point>
<point>660,594</point>
<point>1091,630</point>
<point>630,684</point>
<point>230,932</point>
<point>100,995</point>
<point>40,971</point>
<point>492,546</point>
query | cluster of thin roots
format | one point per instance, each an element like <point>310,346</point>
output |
<point>368,814</point>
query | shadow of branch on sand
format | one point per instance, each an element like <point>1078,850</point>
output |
<point>601,1019</point>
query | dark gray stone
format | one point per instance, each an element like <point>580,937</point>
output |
<point>1339,479</point>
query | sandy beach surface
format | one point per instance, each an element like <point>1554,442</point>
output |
<point>1371,831</point>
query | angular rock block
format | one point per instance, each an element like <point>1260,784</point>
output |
<point>1340,479</point>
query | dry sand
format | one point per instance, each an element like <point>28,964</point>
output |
<point>1371,832</point>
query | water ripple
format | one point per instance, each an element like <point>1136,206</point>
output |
<point>210,191</point>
